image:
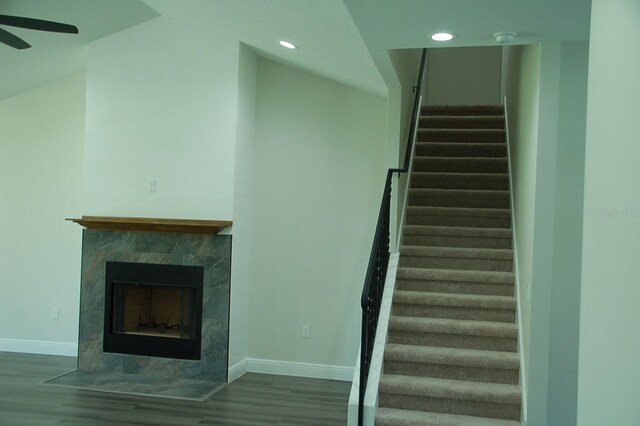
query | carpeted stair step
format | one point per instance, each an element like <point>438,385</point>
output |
<point>493,199</point>
<point>453,333</point>
<point>458,149</point>
<point>462,122</point>
<point>458,216</point>
<point>443,180</point>
<point>460,164</point>
<point>449,281</point>
<point>398,417</point>
<point>460,258</point>
<point>461,135</point>
<point>452,363</point>
<point>455,236</point>
<point>462,110</point>
<point>493,400</point>
<point>454,306</point>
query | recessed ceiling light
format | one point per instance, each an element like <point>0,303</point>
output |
<point>442,36</point>
<point>505,37</point>
<point>288,44</point>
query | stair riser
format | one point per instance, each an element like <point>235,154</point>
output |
<point>452,241</point>
<point>460,165</point>
<point>461,150</point>
<point>456,287</point>
<point>491,203</point>
<point>464,264</point>
<point>454,312</point>
<point>465,136</point>
<point>453,372</point>
<point>465,221</point>
<point>464,110</point>
<point>487,182</point>
<point>489,343</point>
<point>450,406</point>
<point>461,122</point>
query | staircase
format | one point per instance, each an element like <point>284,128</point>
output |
<point>451,353</point>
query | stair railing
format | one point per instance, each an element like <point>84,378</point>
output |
<point>379,259</point>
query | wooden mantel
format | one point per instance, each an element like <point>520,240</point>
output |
<point>153,224</point>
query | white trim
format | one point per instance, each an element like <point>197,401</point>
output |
<point>238,370</point>
<point>516,273</point>
<point>377,362</point>
<point>42,347</point>
<point>299,369</point>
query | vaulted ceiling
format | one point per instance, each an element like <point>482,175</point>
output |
<point>346,40</point>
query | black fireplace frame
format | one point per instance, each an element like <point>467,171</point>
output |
<point>154,275</point>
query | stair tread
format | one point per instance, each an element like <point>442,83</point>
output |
<point>496,277</point>
<point>398,417</point>
<point>462,174</point>
<point>453,326</point>
<point>454,299</point>
<point>460,193</point>
<point>450,389</point>
<point>460,211</point>
<point>457,252</point>
<point>457,159</point>
<point>462,144</point>
<point>479,109</point>
<point>462,134</point>
<point>452,356</point>
<point>464,117</point>
<point>456,231</point>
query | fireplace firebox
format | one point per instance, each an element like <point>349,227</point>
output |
<point>153,309</point>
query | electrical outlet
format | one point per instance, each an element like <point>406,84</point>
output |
<point>55,313</point>
<point>306,332</point>
<point>152,185</point>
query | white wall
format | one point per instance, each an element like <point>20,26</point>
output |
<point>41,150</point>
<point>243,206</point>
<point>400,100</point>
<point>546,92</point>
<point>161,105</point>
<point>523,87</point>
<point>464,75</point>
<point>567,236</point>
<point>319,170</point>
<point>609,372</point>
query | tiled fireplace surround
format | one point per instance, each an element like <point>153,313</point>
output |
<point>212,252</point>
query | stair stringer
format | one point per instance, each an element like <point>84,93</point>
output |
<point>516,273</point>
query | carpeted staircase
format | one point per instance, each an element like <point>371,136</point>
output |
<point>451,353</point>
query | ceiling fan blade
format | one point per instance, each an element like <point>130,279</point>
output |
<point>38,24</point>
<point>12,40</point>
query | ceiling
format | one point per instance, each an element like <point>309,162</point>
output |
<point>56,55</point>
<point>394,24</point>
<point>346,40</point>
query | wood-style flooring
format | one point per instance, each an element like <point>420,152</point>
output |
<point>253,399</point>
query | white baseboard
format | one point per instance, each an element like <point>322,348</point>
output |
<point>237,370</point>
<point>299,369</point>
<point>253,365</point>
<point>38,347</point>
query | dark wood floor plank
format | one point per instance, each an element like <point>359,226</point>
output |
<point>252,400</point>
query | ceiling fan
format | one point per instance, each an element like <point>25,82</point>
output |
<point>32,24</point>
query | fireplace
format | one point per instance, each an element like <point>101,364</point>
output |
<point>155,304</point>
<point>153,309</point>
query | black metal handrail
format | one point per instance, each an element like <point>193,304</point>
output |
<point>379,259</point>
